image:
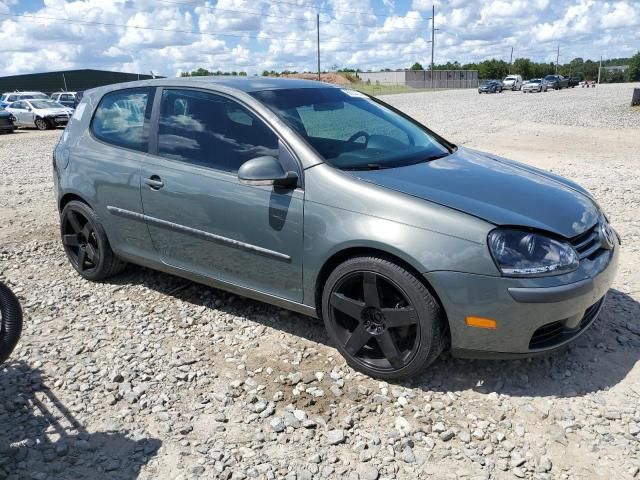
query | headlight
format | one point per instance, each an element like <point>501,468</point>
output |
<point>518,253</point>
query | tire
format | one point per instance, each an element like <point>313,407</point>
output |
<point>86,243</point>
<point>361,298</point>
<point>42,124</point>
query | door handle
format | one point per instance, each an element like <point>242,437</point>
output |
<point>155,182</point>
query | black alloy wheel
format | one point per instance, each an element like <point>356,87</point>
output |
<point>80,241</point>
<point>383,320</point>
<point>86,244</point>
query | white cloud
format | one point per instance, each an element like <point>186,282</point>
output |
<point>168,37</point>
<point>622,15</point>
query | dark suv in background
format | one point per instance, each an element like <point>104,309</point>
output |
<point>557,82</point>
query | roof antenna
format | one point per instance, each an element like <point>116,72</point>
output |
<point>153,75</point>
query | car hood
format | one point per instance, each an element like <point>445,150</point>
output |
<point>53,111</point>
<point>497,190</point>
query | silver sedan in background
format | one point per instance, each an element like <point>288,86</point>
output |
<point>42,114</point>
<point>535,85</point>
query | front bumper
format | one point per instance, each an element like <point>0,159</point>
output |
<point>533,316</point>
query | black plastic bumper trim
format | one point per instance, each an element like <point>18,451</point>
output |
<point>551,294</point>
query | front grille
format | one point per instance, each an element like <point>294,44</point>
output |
<point>5,121</point>
<point>555,333</point>
<point>588,244</point>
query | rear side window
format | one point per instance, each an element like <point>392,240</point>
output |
<point>211,131</point>
<point>122,118</point>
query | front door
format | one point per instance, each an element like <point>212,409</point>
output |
<point>22,112</point>
<point>201,218</point>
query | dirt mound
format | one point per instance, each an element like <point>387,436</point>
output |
<point>335,78</point>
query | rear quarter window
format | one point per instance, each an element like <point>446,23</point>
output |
<point>122,118</point>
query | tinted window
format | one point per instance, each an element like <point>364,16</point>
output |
<point>12,98</point>
<point>66,97</point>
<point>122,118</point>
<point>351,131</point>
<point>210,130</point>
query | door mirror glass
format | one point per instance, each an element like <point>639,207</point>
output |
<point>266,171</point>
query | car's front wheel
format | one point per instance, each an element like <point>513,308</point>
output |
<point>86,243</point>
<point>42,124</point>
<point>382,319</point>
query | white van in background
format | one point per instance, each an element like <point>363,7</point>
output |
<point>512,82</point>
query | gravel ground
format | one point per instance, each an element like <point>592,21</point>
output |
<point>150,376</point>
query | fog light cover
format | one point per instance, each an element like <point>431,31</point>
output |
<point>519,253</point>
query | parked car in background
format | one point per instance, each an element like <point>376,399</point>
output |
<point>42,114</point>
<point>573,82</point>
<point>10,97</point>
<point>328,202</point>
<point>535,85</point>
<point>512,82</point>
<point>7,122</point>
<point>68,99</point>
<point>557,82</point>
<point>490,86</point>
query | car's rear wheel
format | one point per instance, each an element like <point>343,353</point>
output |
<point>382,319</point>
<point>86,243</point>
<point>42,124</point>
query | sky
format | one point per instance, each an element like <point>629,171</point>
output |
<point>172,36</point>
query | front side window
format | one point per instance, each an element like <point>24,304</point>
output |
<point>351,131</point>
<point>211,131</point>
<point>122,118</point>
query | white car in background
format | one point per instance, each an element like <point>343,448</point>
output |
<point>535,85</point>
<point>42,114</point>
<point>512,82</point>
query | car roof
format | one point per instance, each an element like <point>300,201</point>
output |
<point>245,84</point>
<point>22,93</point>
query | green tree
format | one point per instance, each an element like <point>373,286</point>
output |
<point>416,66</point>
<point>522,66</point>
<point>634,68</point>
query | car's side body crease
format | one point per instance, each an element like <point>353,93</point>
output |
<point>198,233</point>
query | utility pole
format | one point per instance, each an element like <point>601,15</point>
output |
<point>510,59</point>
<point>557,58</point>
<point>64,80</point>
<point>433,38</point>
<point>318,41</point>
<point>599,69</point>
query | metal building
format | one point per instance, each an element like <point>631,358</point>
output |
<point>422,78</point>
<point>70,80</point>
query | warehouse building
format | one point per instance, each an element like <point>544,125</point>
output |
<point>68,80</point>
<point>423,78</point>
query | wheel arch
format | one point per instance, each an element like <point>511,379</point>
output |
<point>70,196</point>
<point>346,253</point>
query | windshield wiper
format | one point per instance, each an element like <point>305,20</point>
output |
<point>368,166</point>
<point>436,156</point>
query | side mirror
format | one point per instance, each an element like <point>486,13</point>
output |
<point>28,109</point>
<point>266,171</point>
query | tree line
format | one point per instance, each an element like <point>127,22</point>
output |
<point>498,69</point>
<point>578,67</point>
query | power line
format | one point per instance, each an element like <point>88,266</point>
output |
<point>193,32</point>
<point>261,14</point>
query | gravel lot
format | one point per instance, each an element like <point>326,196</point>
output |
<point>150,376</point>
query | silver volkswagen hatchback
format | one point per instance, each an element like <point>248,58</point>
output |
<point>333,204</point>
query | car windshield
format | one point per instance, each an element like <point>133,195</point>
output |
<point>535,80</point>
<point>549,77</point>
<point>45,104</point>
<point>510,78</point>
<point>350,130</point>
